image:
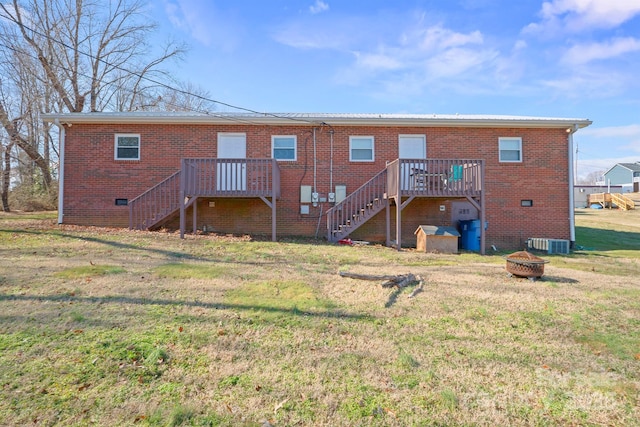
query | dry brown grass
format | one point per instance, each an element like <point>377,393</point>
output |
<point>112,327</point>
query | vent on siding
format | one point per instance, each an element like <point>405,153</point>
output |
<point>551,246</point>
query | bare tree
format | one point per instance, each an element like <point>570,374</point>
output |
<point>90,49</point>
<point>74,56</point>
<point>592,178</point>
<point>185,97</point>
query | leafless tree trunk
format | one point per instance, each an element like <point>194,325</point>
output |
<point>31,150</point>
<point>74,56</point>
<point>6,176</point>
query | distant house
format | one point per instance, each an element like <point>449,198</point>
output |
<point>625,174</point>
<point>581,193</point>
<point>374,177</point>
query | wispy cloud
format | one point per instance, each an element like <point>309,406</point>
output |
<point>585,53</point>
<point>629,131</point>
<point>579,15</point>
<point>588,83</point>
<point>204,23</point>
<point>415,53</point>
<point>628,137</point>
<point>318,7</point>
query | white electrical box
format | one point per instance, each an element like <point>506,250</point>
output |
<point>315,197</point>
<point>332,197</point>
<point>304,209</point>
<point>341,193</point>
<point>305,194</point>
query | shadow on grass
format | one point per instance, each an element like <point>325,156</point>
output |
<point>118,245</point>
<point>557,279</point>
<point>214,306</point>
<point>599,239</point>
<point>175,255</point>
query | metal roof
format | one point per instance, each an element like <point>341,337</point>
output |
<point>631,166</point>
<point>334,119</point>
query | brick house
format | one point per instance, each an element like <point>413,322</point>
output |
<point>325,175</point>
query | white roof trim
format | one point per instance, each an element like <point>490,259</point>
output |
<point>307,119</point>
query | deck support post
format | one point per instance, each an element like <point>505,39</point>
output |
<point>398,222</point>
<point>272,205</point>
<point>388,217</point>
<point>194,202</point>
<point>183,221</point>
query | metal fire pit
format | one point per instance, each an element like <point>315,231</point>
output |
<point>524,264</point>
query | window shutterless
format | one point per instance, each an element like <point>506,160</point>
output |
<point>284,147</point>
<point>127,147</point>
<point>361,149</point>
<point>510,149</point>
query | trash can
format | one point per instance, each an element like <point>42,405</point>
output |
<point>470,234</point>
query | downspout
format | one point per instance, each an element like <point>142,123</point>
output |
<point>61,138</point>
<point>331,162</point>
<point>572,220</point>
<point>315,163</point>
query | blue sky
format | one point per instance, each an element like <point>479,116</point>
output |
<point>559,58</point>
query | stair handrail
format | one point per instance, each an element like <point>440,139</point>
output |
<point>352,205</point>
<point>156,203</point>
<point>622,201</point>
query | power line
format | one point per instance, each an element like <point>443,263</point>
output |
<point>157,82</point>
<point>178,106</point>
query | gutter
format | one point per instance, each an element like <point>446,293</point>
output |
<point>61,137</point>
<point>417,120</point>
<point>572,219</point>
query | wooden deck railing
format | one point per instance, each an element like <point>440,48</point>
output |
<point>155,204</point>
<point>231,177</point>
<point>357,207</point>
<point>435,177</point>
<point>205,178</point>
<point>407,178</point>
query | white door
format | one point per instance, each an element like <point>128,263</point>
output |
<point>232,176</point>
<point>411,147</point>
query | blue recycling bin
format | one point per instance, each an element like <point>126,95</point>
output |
<point>470,234</point>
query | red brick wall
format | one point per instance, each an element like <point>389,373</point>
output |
<point>93,179</point>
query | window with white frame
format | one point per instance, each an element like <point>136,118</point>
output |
<point>510,149</point>
<point>284,147</point>
<point>361,149</point>
<point>127,147</point>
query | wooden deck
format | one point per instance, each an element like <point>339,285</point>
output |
<point>610,200</point>
<point>402,181</point>
<point>206,177</point>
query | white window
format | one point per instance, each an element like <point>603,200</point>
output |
<point>510,149</point>
<point>361,149</point>
<point>284,147</point>
<point>127,147</point>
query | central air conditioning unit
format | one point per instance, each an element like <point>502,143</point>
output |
<point>550,246</point>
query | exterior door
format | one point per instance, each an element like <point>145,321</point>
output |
<point>410,147</point>
<point>232,175</point>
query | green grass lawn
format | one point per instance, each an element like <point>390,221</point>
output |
<point>111,327</point>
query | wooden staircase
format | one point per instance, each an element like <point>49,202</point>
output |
<point>622,201</point>
<point>156,204</point>
<point>607,200</point>
<point>205,177</point>
<point>357,208</point>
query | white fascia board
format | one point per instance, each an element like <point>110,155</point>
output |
<point>394,120</point>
